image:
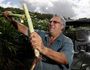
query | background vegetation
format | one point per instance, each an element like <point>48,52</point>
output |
<point>14,51</point>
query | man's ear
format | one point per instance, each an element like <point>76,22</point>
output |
<point>62,27</point>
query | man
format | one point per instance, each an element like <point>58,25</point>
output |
<point>55,48</point>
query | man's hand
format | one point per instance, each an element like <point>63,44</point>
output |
<point>20,27</point>
<point>6,14</point>
<point>36,41</point>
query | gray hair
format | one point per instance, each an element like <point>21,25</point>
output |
<point>62,19</point>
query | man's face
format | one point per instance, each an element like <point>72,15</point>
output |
<point>55,25</point>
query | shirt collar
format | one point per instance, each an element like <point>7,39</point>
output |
<point>60,37</point>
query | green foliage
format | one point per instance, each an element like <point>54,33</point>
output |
<point>11,40</point>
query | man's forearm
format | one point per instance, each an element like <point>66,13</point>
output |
<point>14,23</point>
<point>20,27</point>
<point>59,57</point>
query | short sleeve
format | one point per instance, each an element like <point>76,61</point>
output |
<point>68,50</point>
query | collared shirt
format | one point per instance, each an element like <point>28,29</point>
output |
<point>61,44</point>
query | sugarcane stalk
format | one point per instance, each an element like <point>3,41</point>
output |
<point>30,25</point>
<point>31,29</point>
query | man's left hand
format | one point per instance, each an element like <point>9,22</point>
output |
<point>36,41</point>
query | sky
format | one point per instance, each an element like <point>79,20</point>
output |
<point>68,8</point>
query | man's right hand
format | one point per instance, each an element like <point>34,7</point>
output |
<point>6,14</point>
<point>20,27</point>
